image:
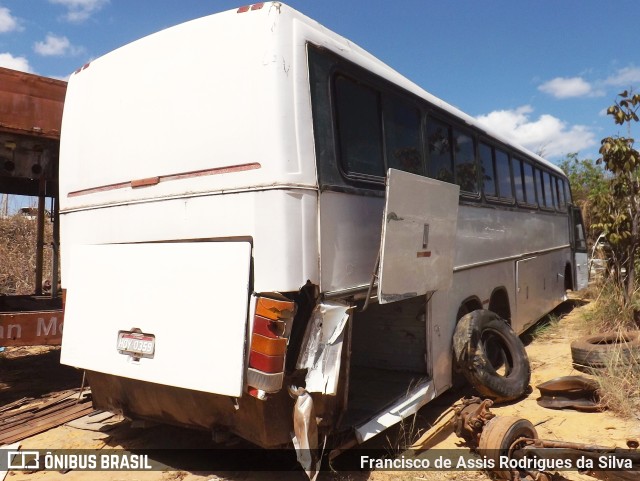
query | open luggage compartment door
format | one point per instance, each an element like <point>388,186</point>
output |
<point>418,236</point>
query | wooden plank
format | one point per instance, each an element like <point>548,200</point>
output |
<point>32,416</point>
<point>44,423</point>
<point>27,416</point>
<point>33,405</point>
<point>15,404</point>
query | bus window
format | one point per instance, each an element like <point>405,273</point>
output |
<point>440,159</point>
<point>563,194</point>
<point>359,132</point>
<point>464,153</point>
<point>518,181</point>
<point>402,136</point>
<point>549,201</point>
<point>504,175</point>
<point>529,183</point>
<point>567,191</point>
<point>539,185</point>
<point>488,171</point>
<point>554,191</point>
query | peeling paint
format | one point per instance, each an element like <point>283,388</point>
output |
<point>393,216</point>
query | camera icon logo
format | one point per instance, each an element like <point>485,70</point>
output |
<point>23,459</point>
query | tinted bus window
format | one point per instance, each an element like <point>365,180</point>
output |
<point>548,192</point>
<point>562,195</point>
<point>539,184</point>
<point>402,136</point>
<point>464,157</point>
<point>518,180</point>
<point>359,132</point>
<point>504,174</point>
<point>488,172</point>
<point>440,158</point>
<point>567,191</point>
<point>554,191</point>
<point>529,183</point>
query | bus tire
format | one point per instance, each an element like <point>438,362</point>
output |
<point>485,344</point>
<point>600,350</point>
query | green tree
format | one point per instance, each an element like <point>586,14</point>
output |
<point>618,210</point>
<point>589,182</point>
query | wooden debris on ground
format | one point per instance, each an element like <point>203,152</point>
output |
<point>28,416</point>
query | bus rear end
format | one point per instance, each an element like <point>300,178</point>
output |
<point>186,212</point>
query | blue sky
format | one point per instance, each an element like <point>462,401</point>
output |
<point>540,72</point>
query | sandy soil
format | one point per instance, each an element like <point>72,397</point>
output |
<point>549,355</point>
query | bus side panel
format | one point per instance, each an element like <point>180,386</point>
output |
<point>539,287</point>
<point>350,228</point>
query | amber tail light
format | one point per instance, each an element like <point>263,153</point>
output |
<point>271,327</point>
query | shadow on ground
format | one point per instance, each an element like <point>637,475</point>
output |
<point>34,372</point>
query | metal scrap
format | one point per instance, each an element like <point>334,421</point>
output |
<point>570,392</point>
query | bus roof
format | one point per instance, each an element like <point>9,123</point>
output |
<point>346,48</point>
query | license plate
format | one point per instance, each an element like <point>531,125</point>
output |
<point>136,344</point>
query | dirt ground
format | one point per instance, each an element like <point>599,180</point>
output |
<point>549,354</point>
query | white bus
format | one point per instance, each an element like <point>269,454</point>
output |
<point>252,206</point>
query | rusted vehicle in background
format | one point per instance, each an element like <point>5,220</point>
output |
<point>30,118</point>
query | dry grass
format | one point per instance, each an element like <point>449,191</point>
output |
<point>609,311</point>
<point>619,380</point>
<point>18,254</point>
<point>619,383</point>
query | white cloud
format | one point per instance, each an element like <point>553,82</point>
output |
<point>80,10</point>
<point>55,46</point>
<point>546,133</point>
<point>625,77</point>
<point>565,87</point>
<point>16,63</point>
<point>8,23</point>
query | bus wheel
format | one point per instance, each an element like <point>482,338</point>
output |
<point>491,356</point>
<point>501,436</point>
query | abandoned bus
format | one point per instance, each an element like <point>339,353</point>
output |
<point>289,219</point>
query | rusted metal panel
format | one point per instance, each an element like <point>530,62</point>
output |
<point>31,328</point>
<point>30,104</point>
<point>36,416</point>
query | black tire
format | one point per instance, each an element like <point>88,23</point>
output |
<point>498,437</point>
<point>609,348</point>
<point>483,343</point>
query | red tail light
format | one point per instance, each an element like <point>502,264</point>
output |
<point>271,327</point>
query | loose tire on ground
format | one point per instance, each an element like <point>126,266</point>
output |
<point>600,350</point>
<point>483,343</point>
<point>498,438</point>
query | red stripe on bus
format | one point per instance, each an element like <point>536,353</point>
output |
<point>163,178</point>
